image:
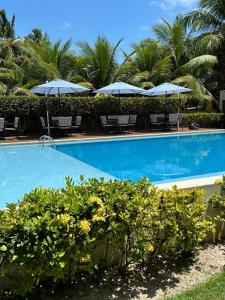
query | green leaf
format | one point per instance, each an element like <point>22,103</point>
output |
<point>62,264</point>
<point>49,239</point>
<point>3,248</point>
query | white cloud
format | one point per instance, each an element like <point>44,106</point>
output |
<point>171,4</point>
<point>66,25</point>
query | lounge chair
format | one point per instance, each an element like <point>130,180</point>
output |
<point>104,123</point>
<point>173,120</point>
<point>65,124</point>
<point>2,128</point>
<point>123,122</point>
<point>132,121</point>
<point>157,121</point>
<point>44,126</point>
<point>55,121</point>
<point>112,119</point>
<point>77,124</point>
<point>13,127</point>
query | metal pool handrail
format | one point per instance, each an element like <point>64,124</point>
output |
<point>47,140</point>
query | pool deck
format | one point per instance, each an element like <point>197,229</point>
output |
<point>103,136</point>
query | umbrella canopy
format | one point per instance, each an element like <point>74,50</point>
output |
<point>166,89</point>
<point>58,87</point>
<point>118,88</point>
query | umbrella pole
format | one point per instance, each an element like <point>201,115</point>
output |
<point>178,111</point>
<point>47,115</point>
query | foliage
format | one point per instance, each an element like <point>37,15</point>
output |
<point>30,108</point>
<point>98,63</point>
<point>207,120</point>
<point>7,27</point>
<point>52,235</point>
<point>217,201</point>
<point>208,20</point>
<point>177,54</point>
<point>191,64</point>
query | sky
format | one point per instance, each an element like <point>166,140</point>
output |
<point>86,19</point>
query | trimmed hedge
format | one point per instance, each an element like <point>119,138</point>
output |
<point>206,120</point>
<point>52,235</point>
<point>30,108</point>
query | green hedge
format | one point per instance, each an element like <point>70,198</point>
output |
<point>53,235</point>
<point>207,120</point>
<point>30,108</point>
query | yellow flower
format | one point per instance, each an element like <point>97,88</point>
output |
<point>85,226</point>
<point>95,200</point>
<point>85,259</point>
<point>218,181</point>
<point>97,218</point>
<point>100,215</point>
<point>64,218</point>
<point>150,248</point>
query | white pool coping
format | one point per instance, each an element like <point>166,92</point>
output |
<point>190,183</point>
<point>112,138</point>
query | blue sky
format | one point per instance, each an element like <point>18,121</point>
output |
<point>85,19</point>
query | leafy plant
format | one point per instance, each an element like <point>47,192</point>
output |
<point>30,108</point>
<point>204,119</point>
<point>53,235</point>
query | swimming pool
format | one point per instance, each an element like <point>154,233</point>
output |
<point>162,159</point>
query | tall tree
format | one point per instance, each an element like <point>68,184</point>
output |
<point>148,64</point>
<point>190,62</point>
<point>99,62</point>
<point>209,20</point>
<point>51,55</point>
<point>37,36</point>
<point>7,27</point>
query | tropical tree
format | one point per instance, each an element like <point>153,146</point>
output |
<point>37,36</point>
<point>209,20</point>
<point>97,65</point>
<point>147,65</point>
<point>190,62</point>
<point>7,27</point>
<point>51,56</point>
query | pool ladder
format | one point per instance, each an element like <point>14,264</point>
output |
<point>46,140</point>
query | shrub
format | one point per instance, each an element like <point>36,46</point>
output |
<point>207,120</point>
<point>30,108</point>
<point>52,235</point>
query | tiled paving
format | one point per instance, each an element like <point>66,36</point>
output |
<point>98,135</point>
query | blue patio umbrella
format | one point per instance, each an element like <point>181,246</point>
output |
<point>57,87</point>
<point>120,88</point>
<point>167,89</point>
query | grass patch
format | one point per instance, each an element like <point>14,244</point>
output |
<point>212,289</point>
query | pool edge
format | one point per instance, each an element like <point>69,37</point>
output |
<point>111,138</point>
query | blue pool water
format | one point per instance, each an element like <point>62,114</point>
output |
<point>170,158</point>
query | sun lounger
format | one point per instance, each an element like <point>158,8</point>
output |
<point>13,127</point>
<point>2,128</point>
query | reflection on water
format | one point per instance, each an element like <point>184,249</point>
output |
<point>159,159</point>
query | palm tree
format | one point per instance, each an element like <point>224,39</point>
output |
<point>37,36</point>
<point>51,55</point>
<point>7,27</point>
<point>209,20</point>
<point>190,62</point>
<point>97,65</point>
<point>148,64</point>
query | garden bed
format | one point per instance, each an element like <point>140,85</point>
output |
<point>149,281</point>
